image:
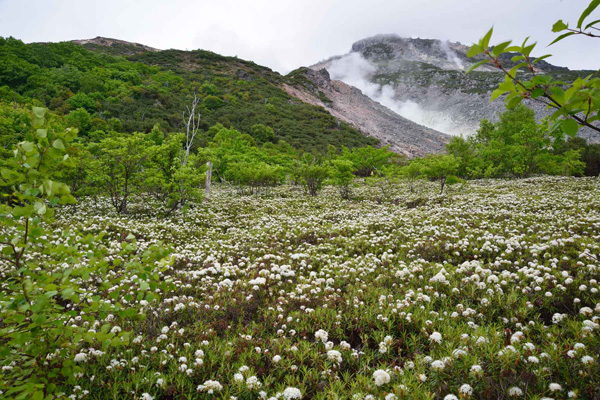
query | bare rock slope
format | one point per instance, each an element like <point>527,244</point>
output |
<point>349,104</point>
<point>423,80</point>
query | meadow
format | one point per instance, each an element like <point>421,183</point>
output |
<point>489,291</point>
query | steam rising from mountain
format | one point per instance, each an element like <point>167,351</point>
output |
<point>451,55</point>
<point>355,70</point>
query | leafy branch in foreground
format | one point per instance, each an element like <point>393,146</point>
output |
<point>575,104</point>
<point>50,291</point>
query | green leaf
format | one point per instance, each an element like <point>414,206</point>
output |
<point>499,48</point>
<point>559,26</point>
<point>38,395</point>
<point>514,101</point>
<point>537,92</point>
<point>40,208</point>
<point>486,39</point>
<point>528,49</point>
<point>58,144</point>
<point>561,37</point>
<point>41,133</point>
<point>38,112</point>
<point>570,126</point>
<point>476,65</point>
<point>590,8</point>
<point>27,146</point>
<point>592,24</point>
<point>497,93</point>
<point>538,59</point>
<point>474,50</point>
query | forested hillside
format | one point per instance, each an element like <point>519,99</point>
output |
<point>124,87</point>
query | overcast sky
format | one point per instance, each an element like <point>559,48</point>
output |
<point>286,34</point>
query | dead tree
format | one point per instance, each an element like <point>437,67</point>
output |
<point>208,179</point>
<point>192,125</point>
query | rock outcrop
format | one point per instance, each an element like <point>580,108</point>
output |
<point>349,104</point>
<point>423,80</point>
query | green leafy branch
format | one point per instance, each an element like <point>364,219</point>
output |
<point>576,104</point>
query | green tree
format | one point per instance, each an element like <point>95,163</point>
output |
<point>367,160</point>
<point>262,133</point>
<point>47,282</point>
<point>439,167</point>
<point>412,172</point>
<point>342,176</point>
<point>575,104</point>
<point>213,102</point>
<point>82,100</point>
<point>312,173</point>
<point>80,119</point>
<point>117,168</point>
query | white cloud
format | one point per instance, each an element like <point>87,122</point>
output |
<point>285,34</point>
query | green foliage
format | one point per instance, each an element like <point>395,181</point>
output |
<point>575,103</point>
<point>39,295</point>
<point>590,154</point>
<point>213,102</point>
<point>82,100</point>
<point>128,89</point>
<point>312,172</point>
<point>254,174</point>
<point>342,175</point>
<point>440,167</point>
<point>81,119</point>
<point>262,133</point>
<point>412,171</point>
<point>117,167</point>
<point>515,146</point>
<point>367,160</point>
<point>15,122</point>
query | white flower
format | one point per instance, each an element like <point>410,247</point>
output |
<point>381,377</point>
<point>438,365</point>
<point>292,392</point>
<point>516,337</point>
<point>80,357</point>
<point>586,311</point>
<point>253,383</point>
<point>210,387</point>
<point>436,337</point>
<point>587,359</point>
<point>276,358</point>
<point>335,356</point>
<point>515,391</point>
<point>146,396</point>
<point>466,390</point>
<point>116,329</point>
<point>238,377</point>
<point>391,396</point>
<point>450,397</point>
<point>322,335</point>
<point>555,387</point>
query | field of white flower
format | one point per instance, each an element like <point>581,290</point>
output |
<point>487,292</point>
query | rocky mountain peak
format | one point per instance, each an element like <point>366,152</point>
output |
<point>116,45</point>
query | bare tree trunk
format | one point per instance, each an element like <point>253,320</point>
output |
<point>192,125</point>
<point>208,180</point>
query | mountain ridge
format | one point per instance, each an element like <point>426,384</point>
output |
<point>423,80</point>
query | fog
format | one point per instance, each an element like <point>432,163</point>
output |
<point>355,70</point>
